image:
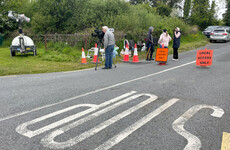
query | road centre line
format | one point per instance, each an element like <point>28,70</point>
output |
<point>96,91</point>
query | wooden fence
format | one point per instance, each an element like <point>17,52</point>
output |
<point>74,39</point>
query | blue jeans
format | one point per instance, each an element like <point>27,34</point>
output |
<point>152,48</point>
<point>109,56</point>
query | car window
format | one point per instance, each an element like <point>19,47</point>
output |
<point>219,31</point>
<point>209,28</point>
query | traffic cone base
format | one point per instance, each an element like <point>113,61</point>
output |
<point>95,55</point>
<point>162,63</point>
<point>135,56</point>
<point>126,56</point>
<point>83,61</point>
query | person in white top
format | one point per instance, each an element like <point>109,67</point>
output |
<point>164,39</point>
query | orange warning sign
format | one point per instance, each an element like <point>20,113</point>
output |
<point>204,57</point>
<point>162,54</point>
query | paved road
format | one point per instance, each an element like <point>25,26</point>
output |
<point>133,107</point>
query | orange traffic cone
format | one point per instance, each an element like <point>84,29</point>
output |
<point>135,56</point>
<point>126,56</point>
<point>95,54</point>
<point>83,59</point>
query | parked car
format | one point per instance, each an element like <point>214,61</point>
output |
<point>220,34</point>
<point>208,30</point>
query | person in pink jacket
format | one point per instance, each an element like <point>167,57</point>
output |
<point>164,39</point>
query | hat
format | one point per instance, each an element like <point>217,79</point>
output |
<point>164,30</point>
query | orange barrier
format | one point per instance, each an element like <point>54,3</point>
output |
<point>135,56</point>
<point>162,55</point>
<point>83,59</point>
<point>204,57</point>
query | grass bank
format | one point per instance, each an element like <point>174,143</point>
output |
<point>61,57</point>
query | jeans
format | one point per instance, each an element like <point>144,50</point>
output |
<point>152,49</point>
<point>109,56</point>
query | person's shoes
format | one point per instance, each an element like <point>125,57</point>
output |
<point>110,68</point>
<point>175,59</point>
<point>104,68</point>
<point>151,59</point>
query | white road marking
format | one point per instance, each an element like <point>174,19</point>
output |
<point>48,141</point>
<point>93,92</point>
<point>8,76</point>
<point>22,129</point>
<point>125,133</point>
<point>194,142</point>
<point>78,70</point>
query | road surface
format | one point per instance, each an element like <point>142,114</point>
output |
<point>133,107</point>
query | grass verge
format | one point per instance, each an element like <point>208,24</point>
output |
<point>65,58</point>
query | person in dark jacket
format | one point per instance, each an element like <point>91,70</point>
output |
<point>150,46</point>
<point>176,43</point>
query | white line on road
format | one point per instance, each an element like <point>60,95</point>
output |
<point>48,141</point>
<point>96,91</point>
<point>8,76</point>
<point>194,142</point>
<point>125,133</point>
<point>22,129</point>
<point>78,70</point>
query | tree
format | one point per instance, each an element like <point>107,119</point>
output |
<point>173,3</point>
<point>200,13</point>
<point>59,16</point>
<point>227,14</point>
<point>212,17</point>
<point>134,2</point>
<point>187,7</point>
<point>6,24</point>
<point>163,9</point>
<point>170,3</point>
<point>53,16</point>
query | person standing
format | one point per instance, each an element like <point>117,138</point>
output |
<point>164,39</point>
<point>150,46</point>
<point>176,43</point>
<point>109,43</point>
